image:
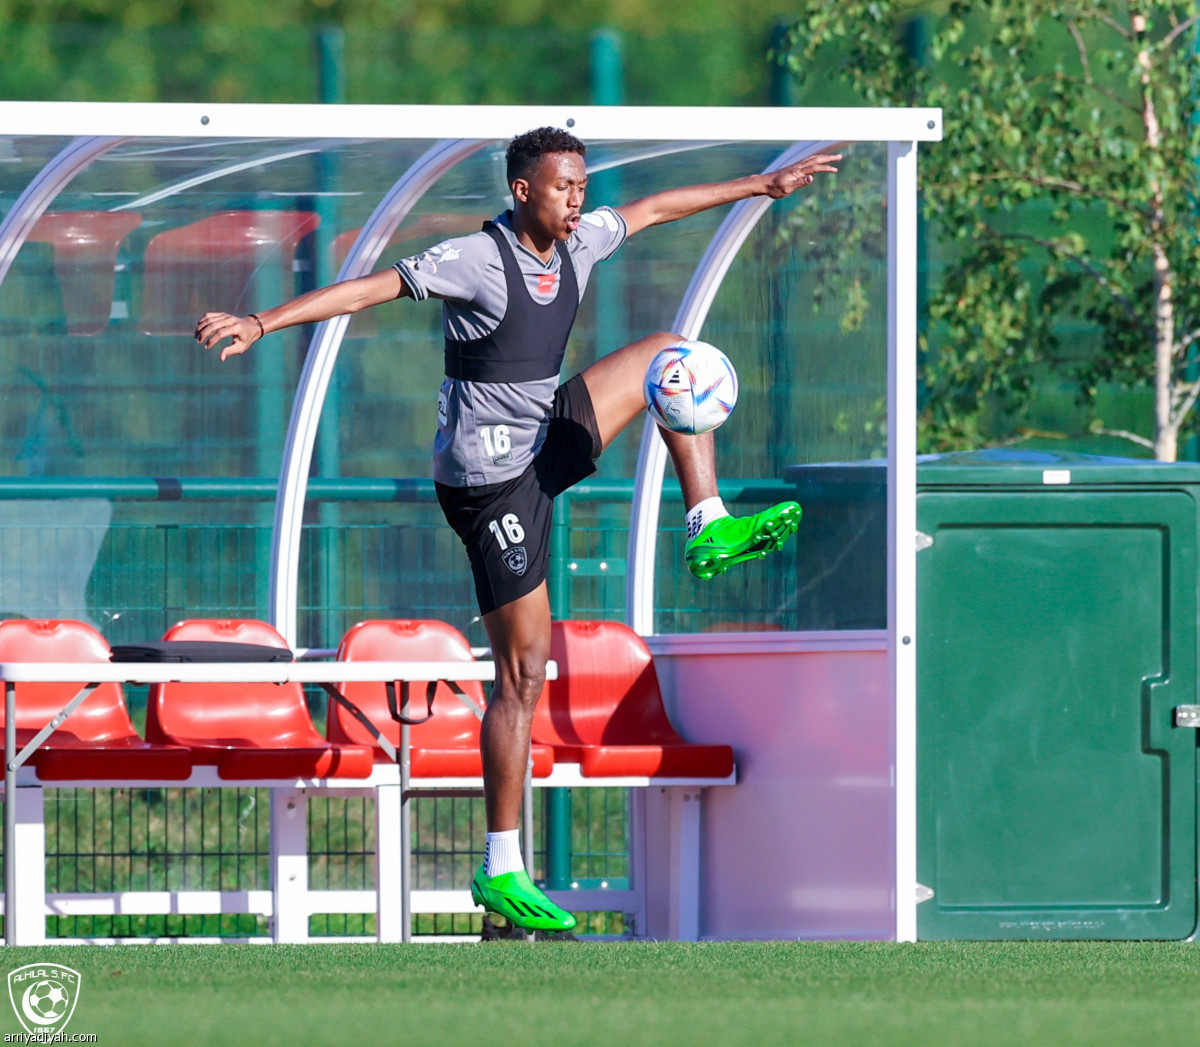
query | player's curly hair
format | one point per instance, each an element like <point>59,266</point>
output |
<point>527,149</point>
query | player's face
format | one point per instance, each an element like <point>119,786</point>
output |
<point>553,195</point>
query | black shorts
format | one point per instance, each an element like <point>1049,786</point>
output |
<point>506,526</point>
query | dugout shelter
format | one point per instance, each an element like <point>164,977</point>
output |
<point>292,484</point>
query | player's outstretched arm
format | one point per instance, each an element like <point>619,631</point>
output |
<point>673,204</point>
<point>349,296</point>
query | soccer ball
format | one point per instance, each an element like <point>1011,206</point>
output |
<point>690,387</point>
<point>48,999</point>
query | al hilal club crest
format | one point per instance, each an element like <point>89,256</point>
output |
<point>44,996</point>
<point>515,559</point>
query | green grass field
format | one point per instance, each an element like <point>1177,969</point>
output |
<point>632,994</point>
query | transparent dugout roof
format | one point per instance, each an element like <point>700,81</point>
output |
<point>102,379</point>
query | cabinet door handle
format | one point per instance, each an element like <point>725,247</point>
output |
<point>1187,716</point>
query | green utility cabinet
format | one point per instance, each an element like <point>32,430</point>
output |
<point>1057,643</point>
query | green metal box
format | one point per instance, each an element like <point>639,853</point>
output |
<point>1057,632</point>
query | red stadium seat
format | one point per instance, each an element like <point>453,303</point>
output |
<point>605,710</point>
<point>97,741</point>
<point>85,257</point>
<point>447,745</point>
<point>214,264</point>
<point>249,730</point>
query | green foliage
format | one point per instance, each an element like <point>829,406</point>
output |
<point>702,52</point>
<point>633,15</point>
<point>1064,192</point>
<point>386,61</point>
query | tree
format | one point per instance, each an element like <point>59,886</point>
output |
<point>1065,187</point>
<point>419,51</point>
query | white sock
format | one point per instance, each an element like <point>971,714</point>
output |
<point>503,853</point>
<point>703,513</point>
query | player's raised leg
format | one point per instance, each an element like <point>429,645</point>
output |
<point>519,633</point>
<point>716,540</point>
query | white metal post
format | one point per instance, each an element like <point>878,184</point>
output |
<point>406,867</point>
<point>29,873</point>
<point>528,839</point>
<point>902,521</point>
<point>389,865</point>
<point>638,865</point>
<point>10,810</point>
<point>289,865</point>
<point>685,863</point>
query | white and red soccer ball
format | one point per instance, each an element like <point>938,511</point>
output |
<point>690,387</point>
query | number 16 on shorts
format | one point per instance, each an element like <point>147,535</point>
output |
<point>508,530</point>
<point>510,534</point>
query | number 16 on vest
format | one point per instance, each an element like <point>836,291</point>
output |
<point>497,442</point>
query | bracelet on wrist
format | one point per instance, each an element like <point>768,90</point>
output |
<point>261,333</point>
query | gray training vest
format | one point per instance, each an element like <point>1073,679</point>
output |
<point>530,341</point>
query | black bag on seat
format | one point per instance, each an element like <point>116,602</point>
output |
<point>199,651</point>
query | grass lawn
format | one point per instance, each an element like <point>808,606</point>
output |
<point>632,994</point>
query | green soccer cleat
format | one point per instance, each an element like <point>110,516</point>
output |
<point>734,539</point>
<point>519,900</point>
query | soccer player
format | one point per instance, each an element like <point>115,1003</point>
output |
<point>510,437</point>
